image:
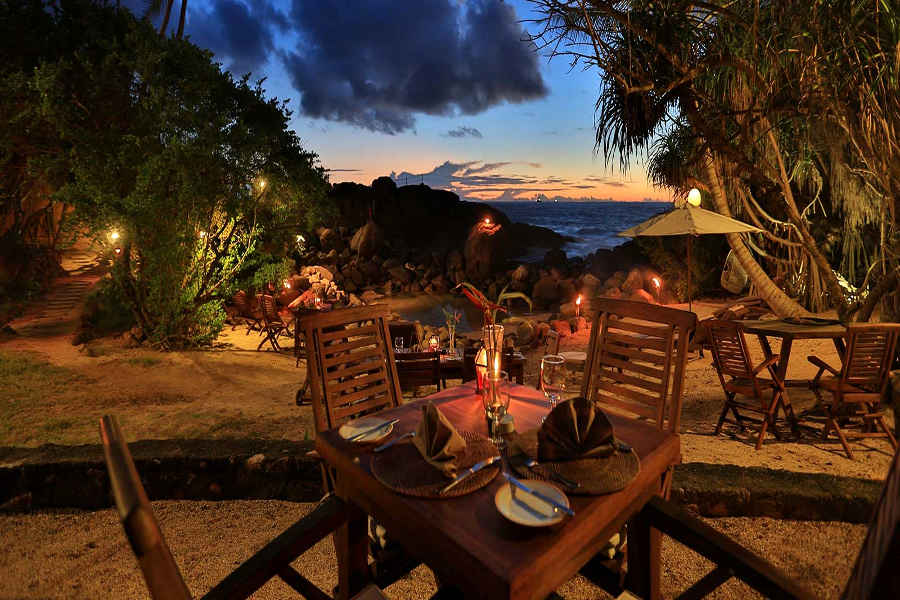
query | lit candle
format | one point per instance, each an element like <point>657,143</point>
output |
<point>487,221</point>
<point>656,282</point>
<point>578,306</point>
<point>496,364</point>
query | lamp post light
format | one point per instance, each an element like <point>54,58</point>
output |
<point>114,235</point>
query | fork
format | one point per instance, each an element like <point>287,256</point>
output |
<point>532,464</point>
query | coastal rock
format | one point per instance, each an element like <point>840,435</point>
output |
<point>520,273</point>
<point>555,257</point>
<point>481,252</point>
<point>454,261</point>
<point>371,270</point>
<point>578,323</point>
<point>367,240</point>
<point>561,327</point>
<point>590,285</point>
<point>545,292</point>
<point>400,274</point>
<point>566,290</point>
<point>316,273</point>
<point>525,332</point>
<point>329,239</point>
<point>299,283</point>
<point>634,282</point>
<point>370,296</point>
<point>354,300</point>
<point>642,296</point>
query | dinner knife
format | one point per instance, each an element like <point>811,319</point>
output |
<point>387,445</point>
<point>470,471</point>
<point>556,505</point>
<point>363,434</point>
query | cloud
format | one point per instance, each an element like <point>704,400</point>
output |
<point>242,36</point>
<point>485,167</point>
<point>616,183</point>
<point>343,170</point>
<point>462,131</point>
<point>376,64</point>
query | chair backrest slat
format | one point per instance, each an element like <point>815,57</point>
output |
<point>351,364</point>
<point>871,348</point>
<point>268,308</point>
<point>729,348</point>
<point>154,558</point>
<point>636,359</point>
<point>875,574</point>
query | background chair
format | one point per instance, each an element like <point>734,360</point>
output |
<point>740,378</point>
<point>405,330</point>
<point>858,388</point>
<point>164,580</point>
<point>273,324</point>
<point>251,315</point>
<point>415,369</point>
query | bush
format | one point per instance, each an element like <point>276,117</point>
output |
<point>106,312</point>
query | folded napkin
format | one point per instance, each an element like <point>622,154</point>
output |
<point>573,430</point>
<point>438,441</point>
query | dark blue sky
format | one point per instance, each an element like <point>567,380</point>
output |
<point>448,91</point>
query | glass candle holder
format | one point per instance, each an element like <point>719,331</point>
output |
<point>495,397</point>
<point>492,338</point>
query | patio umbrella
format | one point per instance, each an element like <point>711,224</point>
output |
<point>689,220</point>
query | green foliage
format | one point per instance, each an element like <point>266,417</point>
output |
<point>669,255</point>
<point>106,310</point>
<point>198,172</point>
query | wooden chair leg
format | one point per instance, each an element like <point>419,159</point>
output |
<point>722,416</point>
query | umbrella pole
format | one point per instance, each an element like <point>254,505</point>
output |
<point>689,271</point>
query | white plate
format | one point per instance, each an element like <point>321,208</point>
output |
<point>351,428</point>
<point>523,508</point>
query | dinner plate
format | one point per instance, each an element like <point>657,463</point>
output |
<point>523,508</point>
<point>351,428</point>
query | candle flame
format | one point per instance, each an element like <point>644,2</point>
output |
<point>656,282</point>
<point>496,364</point>
<point>287,284</point>
<point>578,299</point>
<point>487,221</point>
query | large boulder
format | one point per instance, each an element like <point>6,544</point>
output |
<point>316,274</point>
<point>455,261</point>
<point>329,239</point>
<point>367,240</point>
<point>555,258</point>
<point>400,274</point>
<point>481,252</point>
<point>545,292</point>
<point>634,282</point>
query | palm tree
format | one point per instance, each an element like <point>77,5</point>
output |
<point>744,101</point>
<point>155,7</point>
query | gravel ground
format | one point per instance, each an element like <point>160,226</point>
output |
<point>78,555</point>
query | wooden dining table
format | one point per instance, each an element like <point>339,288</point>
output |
<point>467,542</point>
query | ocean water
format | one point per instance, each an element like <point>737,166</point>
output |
<point>593,224</point>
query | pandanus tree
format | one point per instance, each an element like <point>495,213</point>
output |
<point>155,7</point>
<point>784,112</point>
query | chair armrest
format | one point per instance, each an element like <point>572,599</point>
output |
<point>750,568</point>
<point>823,366</point>
<point>326,517</point>
<point>765,364</point>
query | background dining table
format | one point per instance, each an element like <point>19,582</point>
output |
<point>787,332</point>
<point>467,542</point>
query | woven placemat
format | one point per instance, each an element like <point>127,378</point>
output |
<point>596,476</point>
<point>402,469</point>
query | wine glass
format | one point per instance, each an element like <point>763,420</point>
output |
<point>553,378</point>
<point>495,397</point>
<point>399,344</point>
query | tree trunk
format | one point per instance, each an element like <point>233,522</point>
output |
<point>181,19</point>
<point>778,301</point>
<point>165,22</point>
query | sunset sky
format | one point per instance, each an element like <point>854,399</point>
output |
<point>440,91</point>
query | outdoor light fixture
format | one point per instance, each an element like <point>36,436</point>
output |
<point>202,234</point>
<point>262,184</point>
<point>114,235</point>
<point>656,282</point>
<point>694,197</point>
<point>300,239</point>
<point>118,251</point>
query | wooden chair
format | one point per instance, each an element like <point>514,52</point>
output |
<point>350,364</point>
<point>161,574</point>
<point>252,316</point>
<point>739,377</point>
<point>352,372</point>
<point>875,573</point>
<point>273,324</point>
<point>415,369</point>
<point>858,388</point>
<point>634,364</point>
